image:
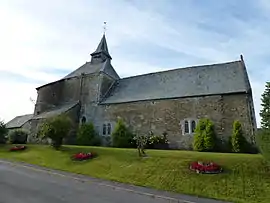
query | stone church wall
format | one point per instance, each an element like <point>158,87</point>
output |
<point>57,93</point>
<point>169,115</point>
<point>89,96</point>
<point>35,125</point>
<point>105,84</point>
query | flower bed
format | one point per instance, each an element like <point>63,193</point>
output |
<point>83,156</point>
<point>17,148</point>
<point>208,167</point>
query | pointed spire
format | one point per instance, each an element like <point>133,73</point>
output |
<point>102,48</point>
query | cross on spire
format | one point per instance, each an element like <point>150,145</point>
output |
<point>102,49</point>
<point>104,27</point>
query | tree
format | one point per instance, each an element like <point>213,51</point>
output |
<point>263,136</point>
<point>265,112</point>
<point>56,128</point>
<point>238,141</point>
<point>141,142</point>
<point>121,136</point>
<point>87,135</point>
<point>204,139</point>
<point>263,141</point>
<point>3,132</point>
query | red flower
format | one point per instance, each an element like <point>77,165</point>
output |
<point>209,167</point>
<point>17,148</point>
<point>83,156</point>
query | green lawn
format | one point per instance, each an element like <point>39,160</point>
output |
<point>246,177</point>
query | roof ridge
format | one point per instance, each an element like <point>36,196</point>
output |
<point>24,115</point>
<point>181,68</point>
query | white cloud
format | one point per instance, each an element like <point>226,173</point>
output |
<point>15,99</point>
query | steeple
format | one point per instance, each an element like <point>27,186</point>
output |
<point>102,52</point>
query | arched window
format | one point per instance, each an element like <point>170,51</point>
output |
<point>193,126</point>
<point>104,129</point>
<point>83,119</point>
<point>186,127</point>
<point>109,128</point>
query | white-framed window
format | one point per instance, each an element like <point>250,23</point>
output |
<point>189,126</point>
<point>106,129</point>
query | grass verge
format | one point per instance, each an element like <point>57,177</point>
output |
<point>246,177</point>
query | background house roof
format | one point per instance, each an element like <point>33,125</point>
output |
<point>220,78</point>
<point>18,121</point>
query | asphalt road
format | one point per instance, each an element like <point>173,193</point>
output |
<point>23,183</point>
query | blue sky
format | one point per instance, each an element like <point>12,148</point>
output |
<point>42,41</point>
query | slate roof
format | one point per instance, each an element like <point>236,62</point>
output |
<point>57,110</point>
<point>89,68</point>
<point>220,78</point>
<point>102,47</point>
<point>18,121</point>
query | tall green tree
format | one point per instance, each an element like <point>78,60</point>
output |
<point>263,136</point>
<point>3,132</point>
<point>265,111</point>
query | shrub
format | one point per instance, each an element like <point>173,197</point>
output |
<point>141,142</point>
<point>157,142</point>
<point>121,136</point>
<point>87,135</point>
<point>17,137</point>
<point>263,142</point>
<point>3,132</point>
<point>56,128</point>
<point>238,140</point>
<point>204,139</point>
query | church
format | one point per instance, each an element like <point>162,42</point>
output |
<point>169,101</point>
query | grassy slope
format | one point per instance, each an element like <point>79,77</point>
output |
<point>247,178</point>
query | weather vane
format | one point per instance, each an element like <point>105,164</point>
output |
<point>104,26</point>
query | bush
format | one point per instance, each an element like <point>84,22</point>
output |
<point>121,136</point>
<point>157,142</point>
<point>238,141</point>
<point>56,128</point>
<point>204,139</point>
<point>87,135</point>
<point>141,142</point>
<point>17,137</point>
<point>3,132</point>
<point>263,142</point>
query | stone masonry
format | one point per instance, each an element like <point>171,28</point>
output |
<point>169,101</point>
